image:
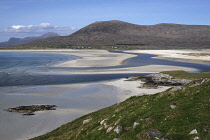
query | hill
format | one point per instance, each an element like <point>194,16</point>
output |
<point>17,41</point>
<point>176,114</point>
<point>126,35</point>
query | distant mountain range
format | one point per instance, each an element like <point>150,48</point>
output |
<point>17,41</point>
<point>126,35</point>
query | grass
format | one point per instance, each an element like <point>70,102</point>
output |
<point>186,75</point>
<point>152,112</point>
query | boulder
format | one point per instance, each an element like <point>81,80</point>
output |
<point>87,121</point>
<point>118,129</point>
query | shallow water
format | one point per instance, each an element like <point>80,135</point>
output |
<point>18,69</point>
<point>21,83</point>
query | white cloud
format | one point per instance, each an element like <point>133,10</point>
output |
<point>39,29</point>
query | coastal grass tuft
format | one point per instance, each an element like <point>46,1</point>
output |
<point>152,113</point>
<point>186,75</point>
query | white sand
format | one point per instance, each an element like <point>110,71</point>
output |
<point>140,69</point>
<point>131,88</point>
<point>73,100</point>
<point>177,54</point>
<point>87,58</point>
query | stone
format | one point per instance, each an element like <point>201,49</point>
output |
<point>194,131</point>
<point>160,79</point>
<point>103,121</point>
<point>109,129</point>
<point>154,134</point>
<point>135,124</point>
<point>87,121</point>
<point>118,129</point>
<point>105,125</point>
<point>29,110</point>
<point>101,128</point>
<point>116,139</point>
<point>172,106</point>
<point>196,138</point>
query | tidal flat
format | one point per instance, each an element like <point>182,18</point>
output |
<point>86,82</point>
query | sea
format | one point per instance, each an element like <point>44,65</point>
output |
<point>19,69</point>
<point>30,78</point>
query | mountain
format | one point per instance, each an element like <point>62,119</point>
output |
<point>17,41</point>
<point>123,34</point>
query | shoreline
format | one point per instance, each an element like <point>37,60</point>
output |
<point>179,55</point>
<point>87,58</point>
<point>73,100</point>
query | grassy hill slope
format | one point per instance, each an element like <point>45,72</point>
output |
<point>170,115</point>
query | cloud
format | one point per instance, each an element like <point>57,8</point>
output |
<point>39,29</point>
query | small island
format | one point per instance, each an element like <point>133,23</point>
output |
<point>29,110</point>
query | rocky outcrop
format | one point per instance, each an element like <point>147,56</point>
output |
<point>159,79</point>
<point>87,121</point>
<point>29,110</point>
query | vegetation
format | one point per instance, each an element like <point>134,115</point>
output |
<point>167,115</point>
<point>186,75</point>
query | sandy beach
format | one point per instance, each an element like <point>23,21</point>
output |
<point>183,55</point>
<point>73,100</point>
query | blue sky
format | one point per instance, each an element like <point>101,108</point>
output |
<point>20,18</point>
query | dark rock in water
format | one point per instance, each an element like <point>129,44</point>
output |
<point>29,110</point>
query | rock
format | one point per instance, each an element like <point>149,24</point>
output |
<point>135,124</point>
<point>154,134</point>
<point>29,110</point>
<point>101,128</point>
<point>87,121</point>
<point>173,106</point>
<point>160,79</point>
<point>117,121</point>
<point>116,139</point>
<point>118,129</point>
<point>105,125</point>
<point>196,138</point>
<point>109,129</point>
<point>193,132</point>
<point>103,121</point>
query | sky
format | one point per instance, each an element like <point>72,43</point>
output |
<point>21,18</point>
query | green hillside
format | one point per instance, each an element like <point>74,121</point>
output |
<point>170,115</point>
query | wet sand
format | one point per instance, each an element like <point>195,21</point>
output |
<point>73,100</point>
<point>179,54</point>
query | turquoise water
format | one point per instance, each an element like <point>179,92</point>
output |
<point>19,69</point>
<point>12,60</point>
